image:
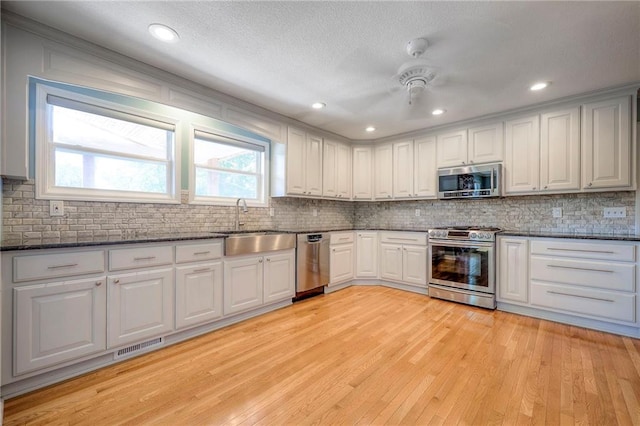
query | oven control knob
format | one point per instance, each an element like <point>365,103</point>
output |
<point>473,235</point>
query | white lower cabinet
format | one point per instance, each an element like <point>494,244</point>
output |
<point>341,257</point>
<point>250,282</point>
<point>198,293</point>
<point>595,280</point>
<point>58,322</point>
<point>279,276</point>
<point>140,305</point>
<point>403,257</point>
<point>513,270</point>
<point>366,254</point>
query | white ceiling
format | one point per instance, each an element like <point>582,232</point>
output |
<point>284,56</point>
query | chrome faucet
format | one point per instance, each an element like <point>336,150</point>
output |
<point>244,210</point>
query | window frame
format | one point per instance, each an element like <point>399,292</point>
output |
<point>235,139</point>
<point>45,152</point>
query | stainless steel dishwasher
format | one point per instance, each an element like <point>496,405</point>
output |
<point>312,263</point>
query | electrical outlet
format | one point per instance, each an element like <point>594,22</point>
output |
<point>314,212</point>
<point>615,212</point>
<point>56,208</point>
<point>417,212</point>
<point>557,212</point>
<point>272,212</point>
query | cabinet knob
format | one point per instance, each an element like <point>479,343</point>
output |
<point>545,187</point>
<point>260,261</point>
<point>98,283</point>
<point>534,188</point>
<point>590,183</point>
<point>268,259</point>
<point>116,281</point>
<point>470,162</point>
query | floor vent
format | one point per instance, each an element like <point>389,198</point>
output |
<point>135,349</point>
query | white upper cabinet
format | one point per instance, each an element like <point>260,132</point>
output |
<point>452,149</point>
<point>403,169</point>
<point>383,171</point>
<point>362,172</point>
<point>522,155</point>
<point>560,150</point>
<point>425,169</point>
<point>485,143</point>
<point>304,163</point>
<point>336,175</point>
<point>607,153</point>
<point>482,144</point>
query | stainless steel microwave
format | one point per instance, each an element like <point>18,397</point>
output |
<point>470,181</point>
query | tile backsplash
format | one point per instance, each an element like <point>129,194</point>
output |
<point>25,217</point>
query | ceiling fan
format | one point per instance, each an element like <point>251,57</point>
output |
<point>415,75</point>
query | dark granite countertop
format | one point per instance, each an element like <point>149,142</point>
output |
<point>612,236</point>
<point>141,237</point>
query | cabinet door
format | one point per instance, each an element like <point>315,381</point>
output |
<point>560,150</point>
<point>403,169</point>
<point>367,255</point>
<point>140,305</point>
<point>452,149</point>
<point>513,271</point>
<point>391,261</point>
<point>343,171</point>
<point>383,171</point>
<point>313,165</point>
<point>606,144</point>
<point>243,284</point>
<point>362,177</point>
<point>522,155</point>
<point>296,140</point>
<point>329,169</point>
<point>485,143</point>
<point>341,261</point>
<point>279,277</point>
<point>57,322</point>
<point>414,265</point>
<point>425,169</point>
<point>198,293</point>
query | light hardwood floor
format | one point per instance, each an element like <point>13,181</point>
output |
<point>363,355</point>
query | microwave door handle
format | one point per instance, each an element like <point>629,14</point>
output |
<point>492,189</point>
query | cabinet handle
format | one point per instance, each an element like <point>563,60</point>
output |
<point>202,252</point>
<point>534,188</point>
<point>545,187</point>
<point>68,265</point>
<point>579,269</point>
<point>268,259</point>
<point>98,283</point>
<point>581,250</point>
<point>116,281</point>
<point>590,183</point>
<point>582,297</point>
<point>260,261</point>
<point>202,270</point>
<point>144,258</point>
<point>463,163</point>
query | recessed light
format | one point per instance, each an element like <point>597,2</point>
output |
<point>318,105</point>
<point>163,33</point>
<point>370,129</point>
<point>539,86</point>
<point>438,111</point>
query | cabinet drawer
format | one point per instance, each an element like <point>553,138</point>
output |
<point>605,275</point>
<point>586,250</point>
<point>140,257</point>
<point>417,238</point>
<point>341,238</point>
<point>585,302</point>
<point>195,252</point>
<point>55,265</point>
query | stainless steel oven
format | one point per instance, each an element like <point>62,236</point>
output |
<point>462,265</point>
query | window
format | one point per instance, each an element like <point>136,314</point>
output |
<point>91,149</point>
<point>226,168</point>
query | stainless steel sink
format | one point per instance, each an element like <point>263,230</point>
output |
<point>257,242</point>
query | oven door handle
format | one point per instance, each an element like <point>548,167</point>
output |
<point>492,188</point>
<point>453,243</point>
